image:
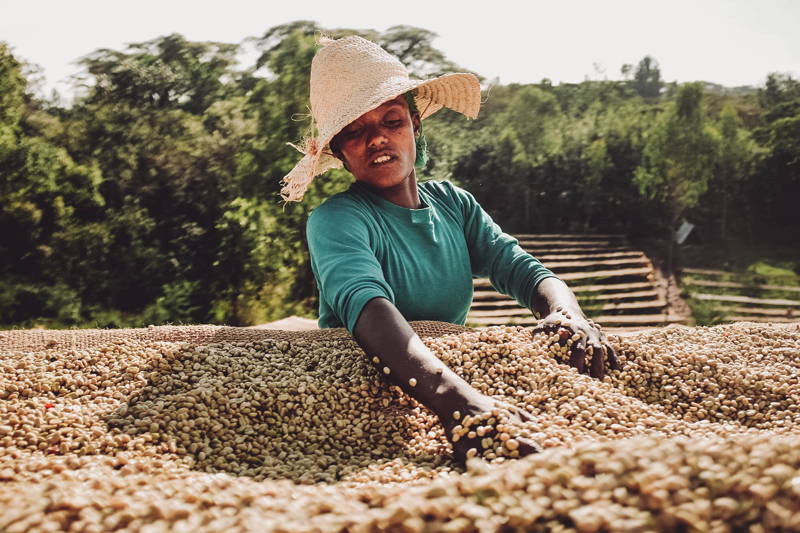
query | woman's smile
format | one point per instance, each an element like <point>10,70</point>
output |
<point>384,159</point>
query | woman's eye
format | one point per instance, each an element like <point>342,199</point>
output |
<point>351,133</point>
<point>394,123</point>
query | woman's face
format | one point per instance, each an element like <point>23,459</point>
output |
<point>379,146</point>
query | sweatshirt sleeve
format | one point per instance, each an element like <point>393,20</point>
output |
<point>347,271</point>
<point>497,255</point>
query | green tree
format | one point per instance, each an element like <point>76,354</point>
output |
<point>647,78</point>
<point>778,184</point>
<point>167,72</point>
<point>43,191</point>
<point>736,158</point>
<point>12,89</point>
<point>780,95</point>
<point>164,120</point>
<point>244,262</point>
<point>529,125</point>
<point>678,158</point>
<point>596,162</point>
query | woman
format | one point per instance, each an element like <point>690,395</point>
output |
<point>390,249</point>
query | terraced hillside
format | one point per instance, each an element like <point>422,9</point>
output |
<point>733,297</point>
<point>614,282</point>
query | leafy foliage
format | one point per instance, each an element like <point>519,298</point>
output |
<point>647,78</point>
<point>678,156</point>
<point>154,198</point>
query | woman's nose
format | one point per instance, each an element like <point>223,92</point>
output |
<point>376,138</point>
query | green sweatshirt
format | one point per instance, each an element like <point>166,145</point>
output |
<point>422,260</point>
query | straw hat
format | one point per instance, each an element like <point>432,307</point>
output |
<point>351,76</point>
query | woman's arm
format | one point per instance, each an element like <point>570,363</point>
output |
<point>385,334</point>
<point>402,357</point>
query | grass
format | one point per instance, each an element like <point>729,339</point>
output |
<point>751,290</point>
<point>743,258</point>
<point>776,269</point>
<point>706,313</point>
<point>745,264</point>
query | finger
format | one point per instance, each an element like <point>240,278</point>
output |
<point>460,456</point>
<point>462,447</point>
<point>545,327</point>
<point>524,415</point>
<point>578,357</point>
<point>527,446</point>
<point>563,336</point>
<point>612,358</point>
<point>539,328</point>
<point>598,362</point>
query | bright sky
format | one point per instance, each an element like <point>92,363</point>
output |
<point>731,42</point>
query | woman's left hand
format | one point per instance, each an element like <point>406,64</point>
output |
<point>584,337</point>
